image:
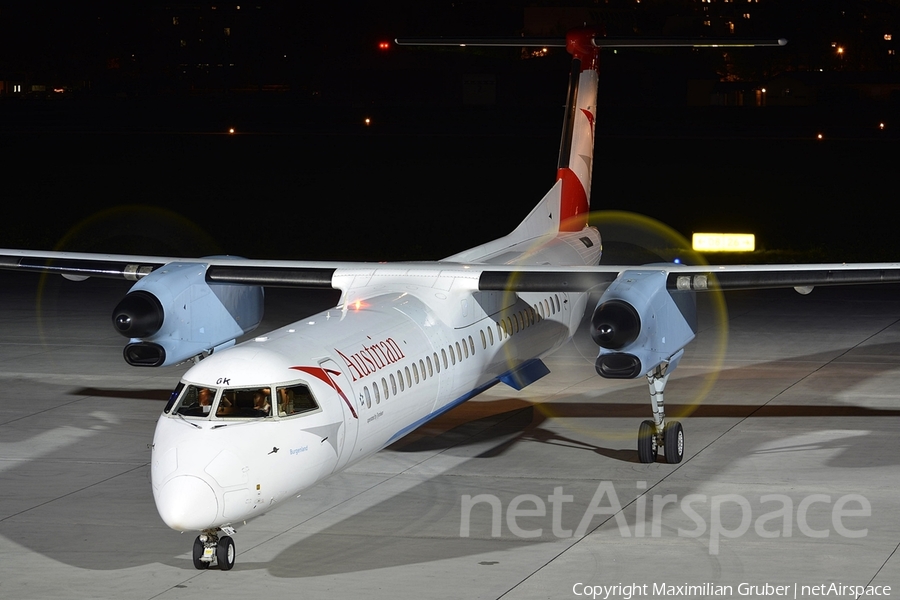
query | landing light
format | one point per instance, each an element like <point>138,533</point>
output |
<point>231,130</point>
<point>367,121</point>
<point>819,136</point>
<point>724,242</point>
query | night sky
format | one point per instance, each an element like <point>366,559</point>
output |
<point>134,155</point>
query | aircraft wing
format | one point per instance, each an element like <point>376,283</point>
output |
<point>694,278</point>
<point>516,278</point>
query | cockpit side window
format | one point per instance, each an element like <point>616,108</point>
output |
<point>196,401</point>
<point>295,399</point>
<point>244,403</point>
<point>173,397</point>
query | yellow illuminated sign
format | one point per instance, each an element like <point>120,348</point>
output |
<point>724,242</point>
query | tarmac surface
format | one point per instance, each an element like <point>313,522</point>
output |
<point>789,479</point>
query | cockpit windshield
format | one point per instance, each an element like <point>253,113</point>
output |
<point>295,399</point>
<point>245,402</point>
<point>195,401</point>
<point>242,403</point>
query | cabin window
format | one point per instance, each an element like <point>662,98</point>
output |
<point>556,300</point>
<point>430,367</point>
<point>458,352</point>
<point>393,385</point>
<point>415,372</point>
<point>483,340</point>
<point>408,377</point>
<point>547,307</point>
<point>465,349</point>
<point>444,357</point>
<point>437,363</point>
<point>452,356</point>
<point>422,368</point>
<point>368,397</point>
<point>400,379</point>
<point>385,387</point>
<point>472,344</point>
<point>376,393</point>
<point>491,336</point>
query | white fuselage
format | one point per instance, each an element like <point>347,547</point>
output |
<point>399,351</point>
<point>400,365</point>
<point>389,359</point>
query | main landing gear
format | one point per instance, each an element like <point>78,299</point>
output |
<point>210,549</point>
<point>655,434</point>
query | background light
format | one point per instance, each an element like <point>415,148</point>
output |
<point>724,242</point>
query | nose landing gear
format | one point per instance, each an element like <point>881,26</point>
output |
<point>210,549</point>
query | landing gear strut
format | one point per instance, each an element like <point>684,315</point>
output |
<point>657,433</point>
<point>211,549</point>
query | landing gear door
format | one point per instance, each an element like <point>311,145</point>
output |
<point>341,386</point>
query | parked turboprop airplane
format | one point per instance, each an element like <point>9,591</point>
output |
<point>252,426</point>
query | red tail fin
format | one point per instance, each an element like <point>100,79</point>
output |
<point>576,152</point>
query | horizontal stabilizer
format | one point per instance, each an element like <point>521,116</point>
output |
<point>599,42</point>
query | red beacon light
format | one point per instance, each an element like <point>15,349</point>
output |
<point>384,45</point>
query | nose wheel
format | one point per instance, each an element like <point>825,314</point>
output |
<point>647,445</point>
<point>201,558</point>
<point>210,549</point>
<point>673,436</point>
<point>657,433</point>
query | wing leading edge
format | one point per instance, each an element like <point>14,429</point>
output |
<point>525,278</point>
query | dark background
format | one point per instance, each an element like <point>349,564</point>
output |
<point>133,154</point>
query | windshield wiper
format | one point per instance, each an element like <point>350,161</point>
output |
<point>191,423</point>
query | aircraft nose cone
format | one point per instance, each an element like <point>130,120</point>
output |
<point>187,503</point>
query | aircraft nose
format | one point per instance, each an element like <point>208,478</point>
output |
<point>187,503</point>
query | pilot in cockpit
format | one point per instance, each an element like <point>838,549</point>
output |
<point>261,400</point>
<point>284,402</point>
<point>205,398</point>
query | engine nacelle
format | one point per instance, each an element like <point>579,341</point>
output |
<point>639,324</point>
<point>173,314</point>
